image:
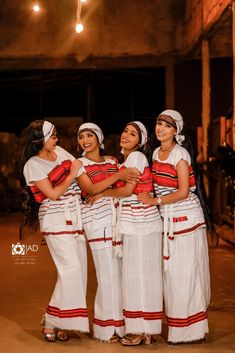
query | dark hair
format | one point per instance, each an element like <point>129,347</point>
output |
<point>200,189</point>
<point>34,140</point>
<point>145,149</point>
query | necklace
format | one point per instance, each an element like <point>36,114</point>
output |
<point>169,148</point>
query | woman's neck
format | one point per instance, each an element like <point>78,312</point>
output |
<point>127,152</point>
<point>167,146</point>
<point>47,155</point>
<point>94,156</point>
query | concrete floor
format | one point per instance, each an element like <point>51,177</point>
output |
<point>26,283</point>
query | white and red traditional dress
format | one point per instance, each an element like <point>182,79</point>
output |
<point>186,278</point>
<point>141,229</point>
<point>98,222</point>
<point>60,224</point>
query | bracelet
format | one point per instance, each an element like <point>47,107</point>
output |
<point>159,200</point>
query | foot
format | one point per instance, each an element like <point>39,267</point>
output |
<point>114,339</point>
<point>132,340</point>
<point>148,339</point>
<point>49,334</point>
<point>62,336</point>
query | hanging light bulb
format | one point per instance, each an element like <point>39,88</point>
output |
<point>36,7</point>
<point>79,27</point>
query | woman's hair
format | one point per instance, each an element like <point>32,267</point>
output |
<point>33,142</point>
<point>145,149</point>
<point>200,188</point>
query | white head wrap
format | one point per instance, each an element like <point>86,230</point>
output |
<point>178,119</point>
<point>144,134</point>
<point>47,130</point>
<point>96,129</point>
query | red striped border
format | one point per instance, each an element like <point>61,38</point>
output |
<point>136,207</point>
<point>183,231</point>
<point>180,219</point>
<point>110,322</point>
<point>190,320</point>
<point>81,312</point>
<point>99,239</point>
<point>116,243</point>
<point>64,197</point>
<point>64,232</point>
<point>154,315</point>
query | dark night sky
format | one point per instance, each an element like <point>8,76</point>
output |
<point>117,96</point>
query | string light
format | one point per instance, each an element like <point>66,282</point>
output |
<point>36,7</point>
<point>79,27</point>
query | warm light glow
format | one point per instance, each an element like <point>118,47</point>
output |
<point>83,0</point>
<point>36,7</point>
<point>79,27</point>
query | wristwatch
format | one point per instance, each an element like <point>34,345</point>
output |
<point>159,200</point>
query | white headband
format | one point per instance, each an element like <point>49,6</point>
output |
<point>47,130</point>
<point>96,129</point>
<point>144,134</point>
<point>178,119</point>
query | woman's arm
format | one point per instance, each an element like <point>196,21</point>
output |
<point>51,193</point>
<point>124,191</point>
<point>85,183</point>
<point>182,192</point>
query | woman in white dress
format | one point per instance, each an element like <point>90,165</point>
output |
<point>53,197</point>
<point>139,228</point>
<point>98,222</point>
<point>186,278</point>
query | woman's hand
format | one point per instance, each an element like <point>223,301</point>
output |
<point>131,175</point>
<point>93,198</point>
<point>75,166</point>
<point>146,198</point>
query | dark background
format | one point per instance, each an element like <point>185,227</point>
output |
<point>109,98</point>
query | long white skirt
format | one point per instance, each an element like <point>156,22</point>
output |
<point>142,282</point>
<point>67,308</point>
<point>108,314</point>
<point>186,283</point>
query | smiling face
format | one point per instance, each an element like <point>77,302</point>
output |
<point>88,141</point>
<point>164,130</point>
<point>51,142</point>
<point>130,138</point>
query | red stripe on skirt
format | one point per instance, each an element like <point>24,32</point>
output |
<point>179,322</point>
<point>155,315</point>
<point>64,232</point>
<point>69,313</point>
<point>110,322</point>
<point>99,239</point>
<point>198,225</point>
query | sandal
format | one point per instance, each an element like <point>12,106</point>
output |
<point>132,340</point>
<point>114,339</point>
<point>54,335</point>
<point>62,336</point>
<point>49,336</point>
<point>135,340</point>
